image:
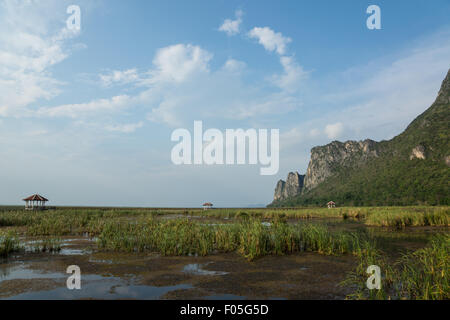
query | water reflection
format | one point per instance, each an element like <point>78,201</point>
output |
<point>196,268</point>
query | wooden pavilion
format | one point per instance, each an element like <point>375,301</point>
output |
<point>35,202</point>
<point>207,205</point>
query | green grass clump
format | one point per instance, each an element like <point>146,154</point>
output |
<point>171,237</point>
<point>424,274</point>
<point>418,275</point>
<point>9,243</point>
<point>368,254</point>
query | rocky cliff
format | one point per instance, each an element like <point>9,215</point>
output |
<point>329,159</point>
<point>411,168</point>
<point>289,188</point>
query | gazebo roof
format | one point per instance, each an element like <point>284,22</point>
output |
<point>331,202</point>
<point>207,204</point>
<point>35,197</point>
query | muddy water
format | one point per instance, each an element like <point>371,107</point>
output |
<point>104,275</point>
<point>124,276</point>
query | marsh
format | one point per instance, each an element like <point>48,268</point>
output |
<point>218,254</point>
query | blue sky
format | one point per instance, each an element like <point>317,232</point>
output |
<point>86,117</point>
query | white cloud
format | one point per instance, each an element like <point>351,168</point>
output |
<point>272,41</point>
<point>181,87</point>
<point>291,138</point>
<point>28,49</point>
<point>178,62</point>
<point>174,63</point>
<point>168,111</point>
<point>125,128</point>
<point>212,95</point>
<point>234,66</point>
<point>334,131</point>
<point>173,66</point>
<point>87,109</point>
<point>292,76</point>
<point>231,27</point>
<point>260,105</point>
<point>293,73</point>
<point>119,77</point>
<point>314,132</point>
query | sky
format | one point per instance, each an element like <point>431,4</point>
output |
<point>86,115</point>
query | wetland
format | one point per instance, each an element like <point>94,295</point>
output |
<point>303,253</point>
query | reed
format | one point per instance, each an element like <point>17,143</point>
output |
<point>63,221</point>
<point>400,219</point>
<point>423,274</point>
<point>368,254</point>
<point>9,243</point>
<point>250,238</point>
<point>417,275</point>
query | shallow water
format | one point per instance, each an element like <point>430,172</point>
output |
<point>124,276</point>
<point>19,271</point>
<point>196,268</point>
<point>110,288</point>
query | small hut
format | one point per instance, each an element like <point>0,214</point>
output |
<point>35,202</point>
<point>331,204</point>
<point>207,205</point>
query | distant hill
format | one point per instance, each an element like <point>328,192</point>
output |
<point>412,168</point>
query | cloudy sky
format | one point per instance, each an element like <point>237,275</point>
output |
<point>86,115</point>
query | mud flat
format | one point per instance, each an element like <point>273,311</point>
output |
<point>130,276</point>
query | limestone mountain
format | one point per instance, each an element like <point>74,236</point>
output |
<point>412,168</point>
<point>328,160</point>
<point>289,188</point>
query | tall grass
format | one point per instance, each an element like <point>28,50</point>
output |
<point>250,238</point>
<point>421,274</point>
<point>64,221</point>
<point>9,243</point>
<point>398,217</point>
<point>402,219</point>
<point>424,274</point>
<point>368,254</point>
